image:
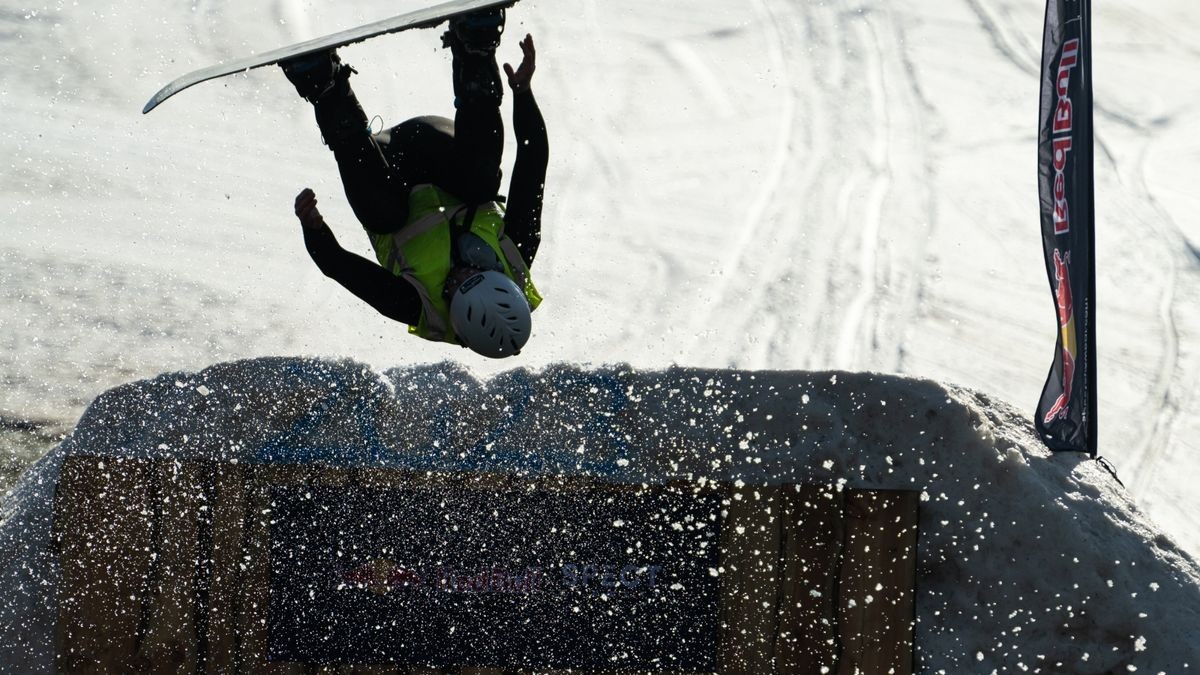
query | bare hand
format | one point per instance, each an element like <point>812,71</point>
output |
<point>519,79</point>
<point>306,210</point>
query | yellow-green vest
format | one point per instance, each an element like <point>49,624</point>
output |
<point>419,253</point>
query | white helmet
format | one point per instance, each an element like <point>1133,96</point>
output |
<point>490,315</point>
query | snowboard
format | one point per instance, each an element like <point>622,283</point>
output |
<point>421,18</point>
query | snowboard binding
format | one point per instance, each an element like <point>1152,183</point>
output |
<point>314,75</point>
<point>476,33</point>
<point>473,39</point>
<point>323,80</point>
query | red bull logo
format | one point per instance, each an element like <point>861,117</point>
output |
<point>1066,324</point>
<point>383,576</point>
<point>380,576</point>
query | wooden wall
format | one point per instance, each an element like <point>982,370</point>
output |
<point>165,570</point>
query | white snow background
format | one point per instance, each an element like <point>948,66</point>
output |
<point>768,184</point>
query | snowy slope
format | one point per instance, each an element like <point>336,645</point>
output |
<point>770,184</point>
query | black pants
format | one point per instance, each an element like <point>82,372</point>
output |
<point>460,156</point>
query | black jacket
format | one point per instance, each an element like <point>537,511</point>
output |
<point>394,297</point>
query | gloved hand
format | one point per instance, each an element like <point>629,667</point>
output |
<point>306,210</point>
<point>519,79</point>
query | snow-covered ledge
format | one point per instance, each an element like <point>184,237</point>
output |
<point>1027,559</point>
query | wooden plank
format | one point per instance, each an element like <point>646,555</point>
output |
<point>812,547</point>
<point>876,604</point>
<point>170,639</point>
<point>225,584</point>
<point>256,571</point>
<point>751,539</point>
<point>104,543</point>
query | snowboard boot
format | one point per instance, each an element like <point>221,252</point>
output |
<point>473,39</point>
<point>477,32</point>
<point>316,74</point>
<point>323,80</point>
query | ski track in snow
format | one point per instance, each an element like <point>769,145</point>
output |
<point>852,333</point>
<point>896,249</point>
<point>1175,379</point>
<point>861,322</point>
<point>1009,42</point>
<point>776,316</point>
<point>745,253</point>
<point>1175,376</point>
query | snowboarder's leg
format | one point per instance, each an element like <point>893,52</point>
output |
<point>370,187</point>
<point>478,128</point>
<point>461,156</point>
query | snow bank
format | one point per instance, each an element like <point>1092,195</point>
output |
<point>1027,560</point>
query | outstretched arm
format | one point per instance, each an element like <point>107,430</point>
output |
<point>523,219</point>
<point>390,295</point>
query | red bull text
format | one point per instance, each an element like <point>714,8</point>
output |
<point>1063,119</point>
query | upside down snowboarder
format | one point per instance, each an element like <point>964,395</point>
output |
<point>453,263</point>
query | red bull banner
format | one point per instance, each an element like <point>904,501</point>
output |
<point>444,574</point>
<point>1066,413</point>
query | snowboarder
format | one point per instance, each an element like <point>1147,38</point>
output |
<point>453,263</point>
